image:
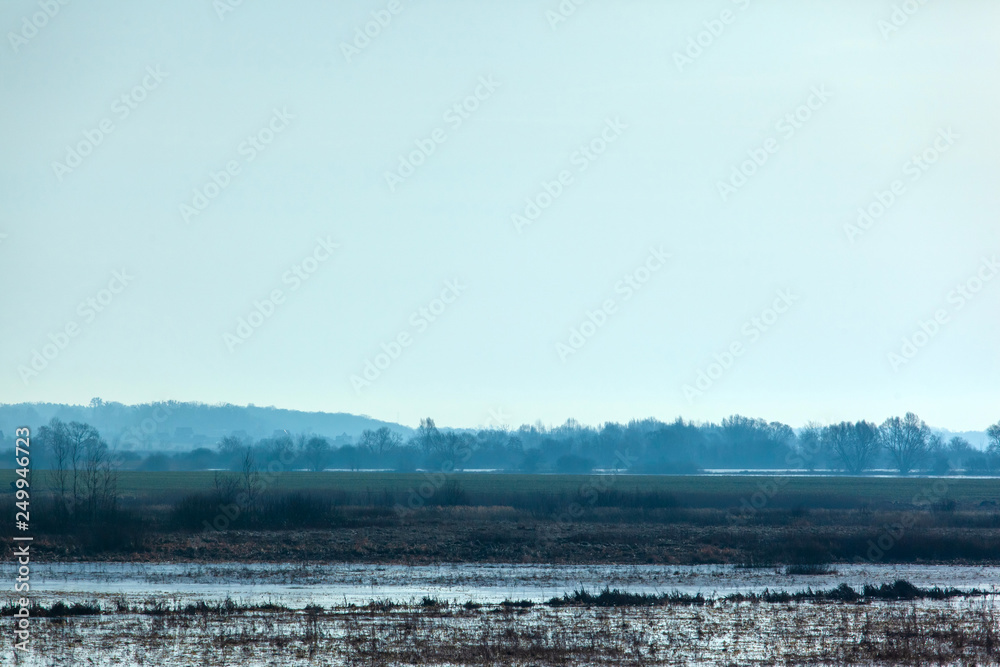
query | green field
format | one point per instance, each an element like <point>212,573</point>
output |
<point>692,491</point>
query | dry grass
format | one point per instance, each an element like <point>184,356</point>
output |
<point>451,535</point>
<point>718,632</point>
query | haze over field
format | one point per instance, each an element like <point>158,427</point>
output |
<point>183,426</point>
<point>668,327</point>
<point>634,280</point>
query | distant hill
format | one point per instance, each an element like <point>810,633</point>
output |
<point>174,425</point>
<point>977,439</point>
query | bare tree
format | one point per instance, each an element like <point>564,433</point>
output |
<point>451,450</point>
<point>85,474</point>
<point>251,476</point>
<point>230,445</point>
<point>810,442</point>
<point>853,444</point>
<point>380,442</point>
<point>81,437</point>
<point>993,433</point>
<point>906,440</point>
<point>428,437</point>
<point>226,487</point>
<point>55,439</point>
<point>960,450</point>
<point>277,449</point>
<point>316,452</point>
<point>99,478</point>
<point>501,439</point>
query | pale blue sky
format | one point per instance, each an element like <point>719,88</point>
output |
<point>496,346</point>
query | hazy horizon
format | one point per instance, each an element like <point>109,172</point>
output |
<point>500,419</point>
<point>232,158</point>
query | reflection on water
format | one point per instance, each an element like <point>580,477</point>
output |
<point>296,585</point>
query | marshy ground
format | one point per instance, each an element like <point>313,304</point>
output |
<point>314,561</point>
<point>960,631</point>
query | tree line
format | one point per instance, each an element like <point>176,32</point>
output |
<point>84,477</point>
<point>85,467</point>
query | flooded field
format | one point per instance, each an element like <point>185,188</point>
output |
<point>721,633</point>
<point>299,585</point>
<point>644,576</point>
<point>475,614</point>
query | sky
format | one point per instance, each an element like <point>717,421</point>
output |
<point>505,212</point>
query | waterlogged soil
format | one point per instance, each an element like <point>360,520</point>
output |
<point>341,614</point>
<point>480,537</point>
<point>721,633</point>
<point>297,585</point>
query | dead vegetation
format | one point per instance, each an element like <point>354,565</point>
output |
<point>479,535</point>
<point>720,632</point>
